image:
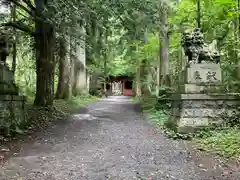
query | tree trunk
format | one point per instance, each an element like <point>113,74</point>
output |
<point>164,61</point>
<point>163,77</point>
<point>65,84</point>
<point>144,79</point>
<point>45,40</point>
<point>235,46</point>
<point>80,78</point>
<point>138,77</point>
<point>93,85</point>
<point>238,38</point>
<point>198,14</point>
<point>44,66</point>
<point>143,71</point>
<point>164,46</point>
<point>69,71</point>
<point>14,52</point>
<point>158,83</point>
<point>62,66</point>
<point>138,82</point>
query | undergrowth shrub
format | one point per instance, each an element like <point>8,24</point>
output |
<point>156,108</point>
<point>231,120</point>
<point>224,138</point>
<point>225,142</point>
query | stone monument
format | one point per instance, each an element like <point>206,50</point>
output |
<point>201,101</point>
<point>11,104</point>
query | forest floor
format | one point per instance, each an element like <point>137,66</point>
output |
<point>110,139</point>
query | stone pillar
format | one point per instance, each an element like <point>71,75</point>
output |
<point>12,106</point>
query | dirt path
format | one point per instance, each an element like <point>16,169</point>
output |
<point>111,141</point>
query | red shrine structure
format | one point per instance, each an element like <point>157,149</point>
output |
<point>120,85</point>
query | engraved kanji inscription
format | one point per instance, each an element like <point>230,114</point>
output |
<point>197,75</point>
<point>211,76</point>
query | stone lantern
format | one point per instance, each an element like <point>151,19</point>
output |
<point>201,100</point>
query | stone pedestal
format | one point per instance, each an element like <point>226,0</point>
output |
<point>7,85</point>
<point>12,106</point>
<point>200,102</point>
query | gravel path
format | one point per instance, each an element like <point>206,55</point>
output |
<point>111,141</point>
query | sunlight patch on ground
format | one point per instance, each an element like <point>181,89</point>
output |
<point>88,117</point>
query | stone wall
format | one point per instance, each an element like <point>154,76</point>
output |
<point>192,111</point>
<point>12,112</point>
<point>6,81</point>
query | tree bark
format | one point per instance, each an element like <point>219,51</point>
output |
<point>143,72</point>
<point>164,46</point>
<point>93,84</point>
<point>163,77</point>
<point>138,81</point>
<point>198,14</point>
<point>238,38</point>
<point>80,79</point>
<point>61,69</point>
<point>66,68</point>
<point>69,70</point>
<point>45,40</point>
<point>14,52</point>
<point>164,61</point>
<point>138,77</point>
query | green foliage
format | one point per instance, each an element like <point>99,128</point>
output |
<point>225,142</point>
<point>115,34</point>
<point>222,139</point>
<point>158,117</point>
<point>25,73</point>
<point>219,21</point>
<point>230,120</point>
<point>154,109</point>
